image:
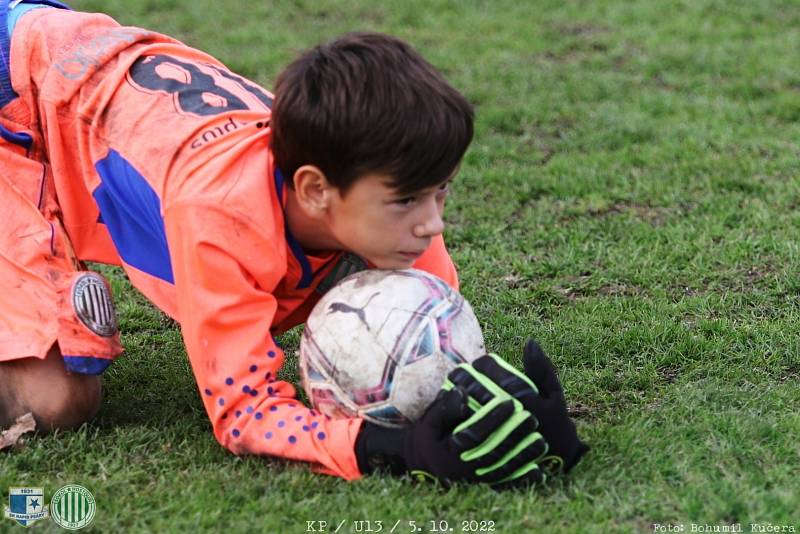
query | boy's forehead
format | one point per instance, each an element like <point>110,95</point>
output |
<point>377,181</point>
<point>390,183</point>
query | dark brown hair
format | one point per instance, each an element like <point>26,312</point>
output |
<point>368,102</point>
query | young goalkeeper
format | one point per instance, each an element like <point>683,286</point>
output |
<point>233,210</point>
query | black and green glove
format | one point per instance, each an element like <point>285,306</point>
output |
<point>496,444</point>
<point>538,390</point>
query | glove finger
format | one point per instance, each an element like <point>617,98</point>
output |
<point>517,462</point>
<point>551,410</point>
<point>447,410</point>
<point>560,432</point>
<point>490,376</point>
<point>540,369</point>
<point>581,449</point>
<point>481,425</point>
<point>531,474</point>
<point>480,390</point>
<point>504,444</point>
<point>507,377</point>
<point>454,408</point>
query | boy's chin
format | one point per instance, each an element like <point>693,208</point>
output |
<point>393,263</point>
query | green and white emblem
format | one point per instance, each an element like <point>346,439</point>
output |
<point>72,507</point>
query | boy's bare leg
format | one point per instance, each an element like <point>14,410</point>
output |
<point>57,399</point>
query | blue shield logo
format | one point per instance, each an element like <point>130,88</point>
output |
<point>26,505</point>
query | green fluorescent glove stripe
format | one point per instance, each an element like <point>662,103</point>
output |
<point>490,385</point>
<point>472,404</point>
<point>519,473</point>
<point>478,415</point>
<point>513,370</point>
<point>484,380</point>
<point>522,445</point>
<point>423,476</point>
<point>497,437</point>
<point>552,463</point>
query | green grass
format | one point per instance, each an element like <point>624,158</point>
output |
<point>630,199</point>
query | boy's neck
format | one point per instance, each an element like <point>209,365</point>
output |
<point>311,233</point>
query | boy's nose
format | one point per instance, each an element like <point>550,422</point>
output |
<point>433,224</point>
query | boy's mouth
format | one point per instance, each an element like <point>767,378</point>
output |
<point>411,255</point>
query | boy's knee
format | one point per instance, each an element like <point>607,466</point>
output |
<point>57,399</point>
<point>73,402</point>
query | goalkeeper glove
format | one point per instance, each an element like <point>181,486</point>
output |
<point>540,393</point>
<point>497,444</point>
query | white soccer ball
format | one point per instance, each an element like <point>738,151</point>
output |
<point>380,344</point>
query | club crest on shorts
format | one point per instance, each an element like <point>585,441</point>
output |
<point>26,505</point>
<point>92,302</point>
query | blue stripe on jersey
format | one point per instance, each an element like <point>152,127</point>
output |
<point>131,210</point>
<point>18,138</point>
<point>294,245</point>
<point>85,365</point>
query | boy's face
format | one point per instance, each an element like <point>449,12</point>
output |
<point>388,229</point>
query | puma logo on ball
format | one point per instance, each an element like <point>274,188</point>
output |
<point>346,308</point>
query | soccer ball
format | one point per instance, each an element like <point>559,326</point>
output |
<point>380,344</point>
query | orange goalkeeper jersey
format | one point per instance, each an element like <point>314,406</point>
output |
<point>158,157</point>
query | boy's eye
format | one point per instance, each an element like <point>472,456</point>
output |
<point>443,190</point>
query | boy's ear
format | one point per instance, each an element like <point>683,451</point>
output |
<point>312,189</point>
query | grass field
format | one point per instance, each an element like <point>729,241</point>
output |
<point>631,200</point>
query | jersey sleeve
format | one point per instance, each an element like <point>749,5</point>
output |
<point>225,267</point>
<point>436,261</point>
